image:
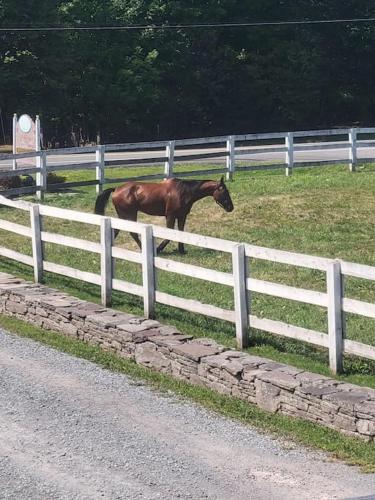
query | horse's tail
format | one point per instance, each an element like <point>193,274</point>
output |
<point>102,200</point>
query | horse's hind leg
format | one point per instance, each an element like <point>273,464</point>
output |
<point>181,224</point>
<point>170,224</point>
<point>129,216</point>
<point>136,239</point>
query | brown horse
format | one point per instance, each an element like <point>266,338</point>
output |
<point>172,198</point>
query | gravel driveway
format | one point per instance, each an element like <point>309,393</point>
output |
<point>71,430</point>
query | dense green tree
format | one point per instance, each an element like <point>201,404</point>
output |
<point>146,83</point>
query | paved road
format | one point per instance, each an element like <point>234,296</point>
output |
<point>318,155</point>
<point>71,430</point>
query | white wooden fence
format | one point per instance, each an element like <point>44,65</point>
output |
<point>243,285</point>
<point>231,149</point>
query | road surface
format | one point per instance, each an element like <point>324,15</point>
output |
<point>71,430</point>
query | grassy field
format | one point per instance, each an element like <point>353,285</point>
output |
<point>319,211</point>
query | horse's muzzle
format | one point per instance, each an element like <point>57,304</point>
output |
<point>227,207</point>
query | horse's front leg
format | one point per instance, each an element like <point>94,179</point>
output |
<point>181,225</point>
<point>170,224</point>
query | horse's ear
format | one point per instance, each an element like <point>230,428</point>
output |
<point>222,180</point>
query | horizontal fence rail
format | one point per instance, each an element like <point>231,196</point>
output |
<point>230,151</point>
<point>333,300</point>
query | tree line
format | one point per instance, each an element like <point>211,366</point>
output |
<point>125,85</point>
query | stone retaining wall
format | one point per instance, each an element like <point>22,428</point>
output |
<point>272,386</point>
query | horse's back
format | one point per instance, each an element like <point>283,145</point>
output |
<point>147,197</point>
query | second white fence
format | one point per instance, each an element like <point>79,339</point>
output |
<point>231,149</point>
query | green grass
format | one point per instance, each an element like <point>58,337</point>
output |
<point>319,211</point>
<point>352,451</point>
<point>8,148</point>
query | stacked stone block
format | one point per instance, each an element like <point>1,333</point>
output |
<point>272,386</point>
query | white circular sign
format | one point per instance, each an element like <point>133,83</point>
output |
<point>25,123</point>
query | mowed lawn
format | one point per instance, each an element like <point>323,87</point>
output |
<point>324,211</point>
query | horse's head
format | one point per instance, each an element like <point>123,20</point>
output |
<point>222,197</point>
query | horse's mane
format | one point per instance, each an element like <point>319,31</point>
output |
<point>189,186</point>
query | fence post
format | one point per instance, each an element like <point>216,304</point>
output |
<point>36,242</point>
<point>100,159</point>
<point>106,260</point>
<point>241,305</point>
<point>148,271</point>
<point>41,176</point>
<point>169,163</point>
<point>14,161</point>
<point>37,133</point>
<point>231,159</point>
<point>335,317</point>
<point>289,155</point>
<point>353,149</point>
<point>113,258</point>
